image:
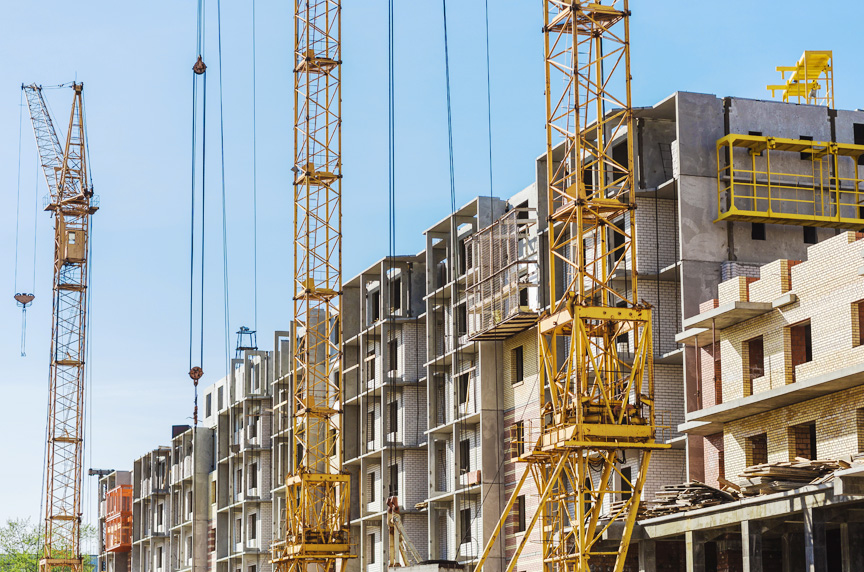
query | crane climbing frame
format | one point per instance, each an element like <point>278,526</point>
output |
<point>317,488</point>
<point>72,203</point>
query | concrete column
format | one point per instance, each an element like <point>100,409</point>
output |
<point>695,548</point>
<point>786,547</point>
<point>751,545</point>
<point>852,546</point>
<point>647,556</point>
<point>815,557</point>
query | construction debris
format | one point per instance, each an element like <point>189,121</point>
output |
<point>686,496</point>
<point>769,478</point>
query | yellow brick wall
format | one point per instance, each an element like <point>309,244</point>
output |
<point>732,290</point>
<point>827,285</point>
<point>838,429</point>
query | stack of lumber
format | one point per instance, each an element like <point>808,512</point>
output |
<point>641,512</point>
<point>686,496</point>
<point>769,478</point>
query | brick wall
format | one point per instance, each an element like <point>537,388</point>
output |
<point>838,420</point>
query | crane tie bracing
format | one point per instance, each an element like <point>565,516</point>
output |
<point>317,489</point>
<point>71,201</point>
<point>599,403</point>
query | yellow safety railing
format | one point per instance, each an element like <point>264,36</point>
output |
<point>789,181</point>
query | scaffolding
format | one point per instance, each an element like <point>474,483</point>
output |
<point>503,269</point>
<point>803,84</point>
<point>789,181</point>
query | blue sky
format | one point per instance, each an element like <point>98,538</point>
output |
<point>135,61</point>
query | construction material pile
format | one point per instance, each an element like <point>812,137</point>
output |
<point>768,478</point>
<point>686,496</point>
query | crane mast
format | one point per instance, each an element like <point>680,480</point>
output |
<point>317,489</point>
<point>71,202</point>
<point>595,342</point>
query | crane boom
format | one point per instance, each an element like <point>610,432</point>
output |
<point>71,202</point>
<point>317,489</point>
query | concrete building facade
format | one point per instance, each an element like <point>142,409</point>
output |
<point>440,362</point>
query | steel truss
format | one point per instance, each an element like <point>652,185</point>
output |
<point>596,391</point>
<point>317,490</point>
<point>71,202</point>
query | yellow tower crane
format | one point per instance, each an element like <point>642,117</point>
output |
<point>72,204</point>
<point>317,490</point>
<point>596,405</point>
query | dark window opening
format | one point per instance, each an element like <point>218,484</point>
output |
<point>803,438</point>
<point>625,337</point>
<point>518,436</point>
<point>464,456</point>
<point>518,365</point>
<point>396,294</point>
<point>371,549</point>
<point>802,344</point>
<point>376,306</point>
<point>393,350</point>
<point>462,319</point>
<point>810,235</point>
<point>463,257</point>
<point>588,177</point>
<point>370,426</point>
<point>858,134</point>
<point>462,382</point>
<point>520,513</point>
<point>755,359</point>
<point>219,399</point>
<point>523,298</point>
<point>370,366</point>
<point>626,486</point>
<point>372,486</point>
<point>208,410</point>
<point>755,134</point>
<point>806,155</point>
<point>394,480</point>
<point>617,250</point>
<point>620,154</point>
<point>858,322</point>
<point>523,214</point>
<point>757,449</point>
<point>465,524</point>
<point>394,416</point>
<point>757,231</point>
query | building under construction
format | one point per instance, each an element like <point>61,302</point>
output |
<point>740,207</point>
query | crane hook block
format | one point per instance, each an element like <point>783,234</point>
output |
<point>196,373</point>
<point>199,67</point>
<point>24,300</point>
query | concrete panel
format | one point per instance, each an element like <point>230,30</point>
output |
<point>700,125</point>
<point>700,237</point>
<point>778,119</point>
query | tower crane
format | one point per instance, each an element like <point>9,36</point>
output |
<point>317,489</point>
<point>595,404</point>
<point>71,202</point>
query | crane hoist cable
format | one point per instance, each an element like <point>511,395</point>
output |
<point>22,299</point>
<point>198,72</point>
<point>225,282</point>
